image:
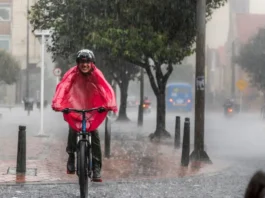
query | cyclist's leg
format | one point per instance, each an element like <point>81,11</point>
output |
<point>96,156</point>
<point>71,149</point>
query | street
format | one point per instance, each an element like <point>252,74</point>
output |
<point>236,147</point>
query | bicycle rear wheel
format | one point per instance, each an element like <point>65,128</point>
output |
<point>83,172</point>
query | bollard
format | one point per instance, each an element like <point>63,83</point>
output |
<point>186,143</point>
<point>107,137</point>
<point>177,133</point>
<point>21,150</point>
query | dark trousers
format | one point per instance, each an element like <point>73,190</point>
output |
<point>95,144</point>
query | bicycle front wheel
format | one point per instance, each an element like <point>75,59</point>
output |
<point>83,172</point>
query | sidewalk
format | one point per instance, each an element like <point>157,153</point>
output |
<point>132,155</point>
<point>130,160</point>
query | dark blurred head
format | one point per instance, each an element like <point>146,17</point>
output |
<point>256,186</point>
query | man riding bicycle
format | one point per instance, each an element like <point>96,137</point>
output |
<point>83,86</point>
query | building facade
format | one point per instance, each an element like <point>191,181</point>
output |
<point>235,7</point>
<point>15,35</point>
<point>243,25</point>
<point>239,6</point>
<point>5,24</point>
<point>5,40</point>
<point>19,48</point>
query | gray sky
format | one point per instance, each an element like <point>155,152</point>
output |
<point>217,28</point>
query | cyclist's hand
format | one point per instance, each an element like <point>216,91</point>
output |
<point>66,110</point>
<point>101,109</point>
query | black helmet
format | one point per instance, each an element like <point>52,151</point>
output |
<point>85,54</point>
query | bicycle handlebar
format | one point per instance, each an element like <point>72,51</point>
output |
<point>99,109</point>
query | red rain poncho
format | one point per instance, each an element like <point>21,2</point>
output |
<point>84,92</point>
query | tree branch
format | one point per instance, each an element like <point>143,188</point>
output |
<point>152,80</point>
<point>138,63</point>
<point>159,75</point>
<point>116,78</point>
<point>168,73</point>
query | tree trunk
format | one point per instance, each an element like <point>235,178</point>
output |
<point>124,85</point>
<point>159,88</point>
<point>160,131</point>
<point>158,85</point>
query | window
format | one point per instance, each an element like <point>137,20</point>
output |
<point>5,12</point>
<point>181,90</point>
<point>4,42</point>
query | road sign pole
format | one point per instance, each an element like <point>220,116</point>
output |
<point>240,102</point>
<point>57,73</point>
<point>233,76</point>
<point>241,85</point>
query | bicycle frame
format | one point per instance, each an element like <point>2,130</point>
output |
<point>85,136</point>
<point>84,150</point>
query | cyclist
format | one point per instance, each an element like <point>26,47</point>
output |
<point>82,95</point>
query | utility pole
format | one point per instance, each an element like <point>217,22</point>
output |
<point>140,110</point>
<point>233,80</point>
<point>199,153</point>
<point>27,54</point>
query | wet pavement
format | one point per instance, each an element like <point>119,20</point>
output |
<point>229,183</point>
<point>235,146</point>
<point>132,154</point>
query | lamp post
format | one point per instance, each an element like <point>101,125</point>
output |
<point>42,34</point>
<point>27,55</point>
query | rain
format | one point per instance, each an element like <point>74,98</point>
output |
<point>177,87</point>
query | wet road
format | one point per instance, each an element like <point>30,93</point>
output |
<point>238,142</point>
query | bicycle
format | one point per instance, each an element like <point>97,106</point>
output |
<point>84,150</point>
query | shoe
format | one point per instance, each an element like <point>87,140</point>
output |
<point>71,164</point>
<point>97,179</point>
<point>96,175</point>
